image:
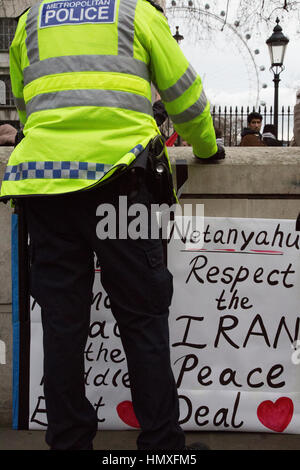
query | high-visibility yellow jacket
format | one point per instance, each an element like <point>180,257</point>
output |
<point>81,73</point>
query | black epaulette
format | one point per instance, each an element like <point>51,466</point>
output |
<point>156,5</point>
<point>19,136</point>
<point>18,17</point>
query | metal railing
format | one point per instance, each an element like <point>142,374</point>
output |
<point>231,120</point>
<point>8,28</point>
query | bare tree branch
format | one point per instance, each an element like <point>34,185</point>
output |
<point>258,11</point>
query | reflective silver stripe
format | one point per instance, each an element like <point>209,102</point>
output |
<point>20,104</point>
<point>180,86</point>
<point>102,98</point>
<point>126,27</point>
<point>56,170</point>
<point>192,112</point>
<point>86,63</point>
<point>32,34</point>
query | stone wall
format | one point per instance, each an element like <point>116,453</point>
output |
<point>14,8</point>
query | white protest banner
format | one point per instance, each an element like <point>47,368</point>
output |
<point>234,326</point>
<point>235,318</point>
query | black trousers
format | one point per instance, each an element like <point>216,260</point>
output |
<point>63,242</point>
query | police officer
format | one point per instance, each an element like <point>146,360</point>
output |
<point>81,75</point>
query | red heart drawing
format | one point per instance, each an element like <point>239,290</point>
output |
<point>276,416</point>
<point>127,415</point>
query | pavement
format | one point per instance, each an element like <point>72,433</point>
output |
<point>126,440</point>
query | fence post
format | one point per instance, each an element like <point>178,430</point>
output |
<point>225,118</point>
<point>282,119</point>
<point>236,122</point>
<point>230,125</point>
<point>265,114</point>
<point>271,115</point>
<point>242,118</point>
<point>288,129</point>
<point>231,130</point>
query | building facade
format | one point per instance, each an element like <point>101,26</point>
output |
<point>9,11</point>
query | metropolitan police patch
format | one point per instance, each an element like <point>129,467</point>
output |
<point>74,12</point>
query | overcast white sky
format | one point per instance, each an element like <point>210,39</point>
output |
<point>222,60</point>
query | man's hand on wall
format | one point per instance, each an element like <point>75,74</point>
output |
<point>7,134</point>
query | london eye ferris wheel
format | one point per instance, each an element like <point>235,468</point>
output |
<point>208,38</point>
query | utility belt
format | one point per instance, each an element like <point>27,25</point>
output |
<point>152,167</point>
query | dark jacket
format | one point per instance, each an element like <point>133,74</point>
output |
<point>159,112</point>
<point>270,140</point>
<point>251,138</point>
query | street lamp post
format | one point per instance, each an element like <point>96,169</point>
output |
<point>177,36</point>
<point>277,46</point>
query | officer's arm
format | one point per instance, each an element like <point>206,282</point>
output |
<point>16,73</point>
<point>181,89</point>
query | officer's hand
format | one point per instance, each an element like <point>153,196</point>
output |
<point>7,134</point>
<point>219,155</point>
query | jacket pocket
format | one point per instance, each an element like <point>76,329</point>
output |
<point>161,280</point>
